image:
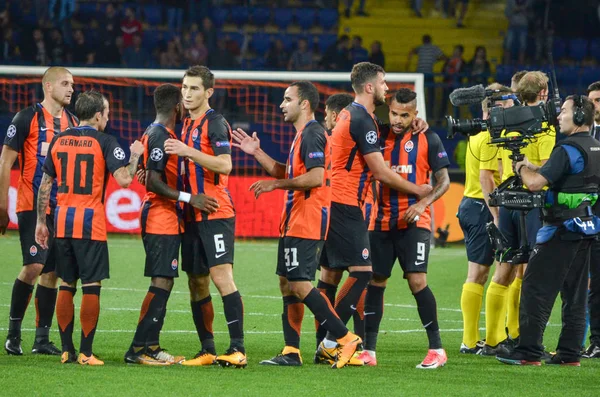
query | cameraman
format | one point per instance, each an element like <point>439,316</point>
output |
<point>559,259</point>
<point>481,177</point>
<point>503,294</point>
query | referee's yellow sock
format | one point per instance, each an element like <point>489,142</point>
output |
<point>495,314</point>
<point>512,309</point>
<point>470,305</point>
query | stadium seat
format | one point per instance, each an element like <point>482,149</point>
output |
<point>305,17</point>
<point>150,39</point>
<point>261,43</point>
<point>286,39</point>
<point>219,16</point>
<point>87,10</point>
<point>326,41</point>
<point>283,18</point>
<point>152,14</point>
<point>595,48</point>
<point>261,16</point>
<point>567,75</point>
<point>328,18</point>
<point>240,15</point>
<point>504,73</point>
<point>559,48</point>
<point>578,48</point>
<point>589,74</point>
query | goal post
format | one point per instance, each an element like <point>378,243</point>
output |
<point>248,99</point>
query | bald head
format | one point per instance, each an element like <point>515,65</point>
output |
<point>52,74</point>
<point>57,83</point>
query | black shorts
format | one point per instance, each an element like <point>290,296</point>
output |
<point>473,215</point>
<point>30,250</point>
<point>509,227</point>
<point>348,238</point>
<point>207,244</point>
<point>78,259</point>
<point>162,255</point>
<point>298,258</point>
<point>410,246</point>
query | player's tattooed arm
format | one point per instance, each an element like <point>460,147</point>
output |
<point>44,197</point>
<point>442,184</point>
<point>124,175</point>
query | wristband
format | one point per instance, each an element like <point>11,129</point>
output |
<point>185,197</point>
<point>520,168</point>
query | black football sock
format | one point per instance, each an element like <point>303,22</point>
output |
<point>155,316</point>
<point>21,295</point>
<point>427,308</point>
<point>65,316</point>
<point>88,315</point>
<point>291,319</point>
<point>45,302</point>
<point>359,316</point>
<point>325,314</point>
<point>204,315</point>
<point>347,299</point>
<point>234,315</point>
<point>373,315</point>
<point>329,290</point>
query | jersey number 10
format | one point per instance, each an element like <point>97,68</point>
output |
<point>78,165</point>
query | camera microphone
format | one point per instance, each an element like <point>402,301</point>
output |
<point>468,96</point>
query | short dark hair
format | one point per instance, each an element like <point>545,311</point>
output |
<point>404,95</point>
<point>460,47</point>
<point>426,39</point>
<point>88,104</point>
<point>519,75</point>
<point>307,92</point>
<point>208,78</point>
<point>593,87</point>
<point>337,102</point>
<point>166,97</point>
<point>362,73</point>
<point>587,106</point>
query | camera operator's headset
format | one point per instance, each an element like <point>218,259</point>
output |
<point>578,112</point>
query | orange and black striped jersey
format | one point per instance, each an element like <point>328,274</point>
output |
<point>30,134</point>
<point>369,203</point>
<point>210,134</point>
<point>160,215</point>
<point>355,135</point>
<point>413,157</point>
<point>80,159</point>
<point>306,212</point>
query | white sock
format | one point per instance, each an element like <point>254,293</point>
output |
<point>372,353</point>
<point>439,351</point>
<point>329,344</point>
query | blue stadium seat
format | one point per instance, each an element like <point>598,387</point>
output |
<point>219,16</point>
<point>261,16</point>
<point>567,75</point>
<point>88,10</point>
<point>240,15</point>
<point>595,48</point>
<point>328,18</point>
<point>286,39</point>
<point>283,17</point>
<point>326,41</point>
<point>152,14</point>
<point>305,17</point>
<point>578,48</point>
<point>559,48</point>
<point>150,39</point>
<point>504,73</point>
<point>261,43</point>
<point>589,74</point>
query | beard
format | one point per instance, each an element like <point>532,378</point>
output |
<point>379,100</point>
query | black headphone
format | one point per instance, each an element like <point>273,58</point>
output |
<point>578,112</point>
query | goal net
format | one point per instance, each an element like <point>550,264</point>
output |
<point>249,100</point>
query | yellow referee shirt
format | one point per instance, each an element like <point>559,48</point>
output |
<point>480,156</point>
<point>537,151</point>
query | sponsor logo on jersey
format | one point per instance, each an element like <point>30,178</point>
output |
<point>316,155</point>
<point>442,154</point>
<point>222,144</point>
<point>402,169</point>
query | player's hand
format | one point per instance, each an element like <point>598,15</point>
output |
<point>414,212</point>
<point>419,125</point>
<point>140,175</point>
<point>41,235</point>
<point>175,146</point>
<point>4,220</point>
<point>248,144</point>
<point>260,187</point>
<point>137,148</point>
<point>204,203</point>
<point>423,190</point>
<point>518,164</point>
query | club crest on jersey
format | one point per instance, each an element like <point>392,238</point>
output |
<point>409,146</point>
<point>174,264</point>
<point>33,250</point>
<point>371,137</point>
<point>156,154</point>
<point>365,254</point>
<point>12,131</point>
<point>195,135</point>
<point>119,153</point>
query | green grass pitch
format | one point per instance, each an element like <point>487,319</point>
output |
<point>402,342</point>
